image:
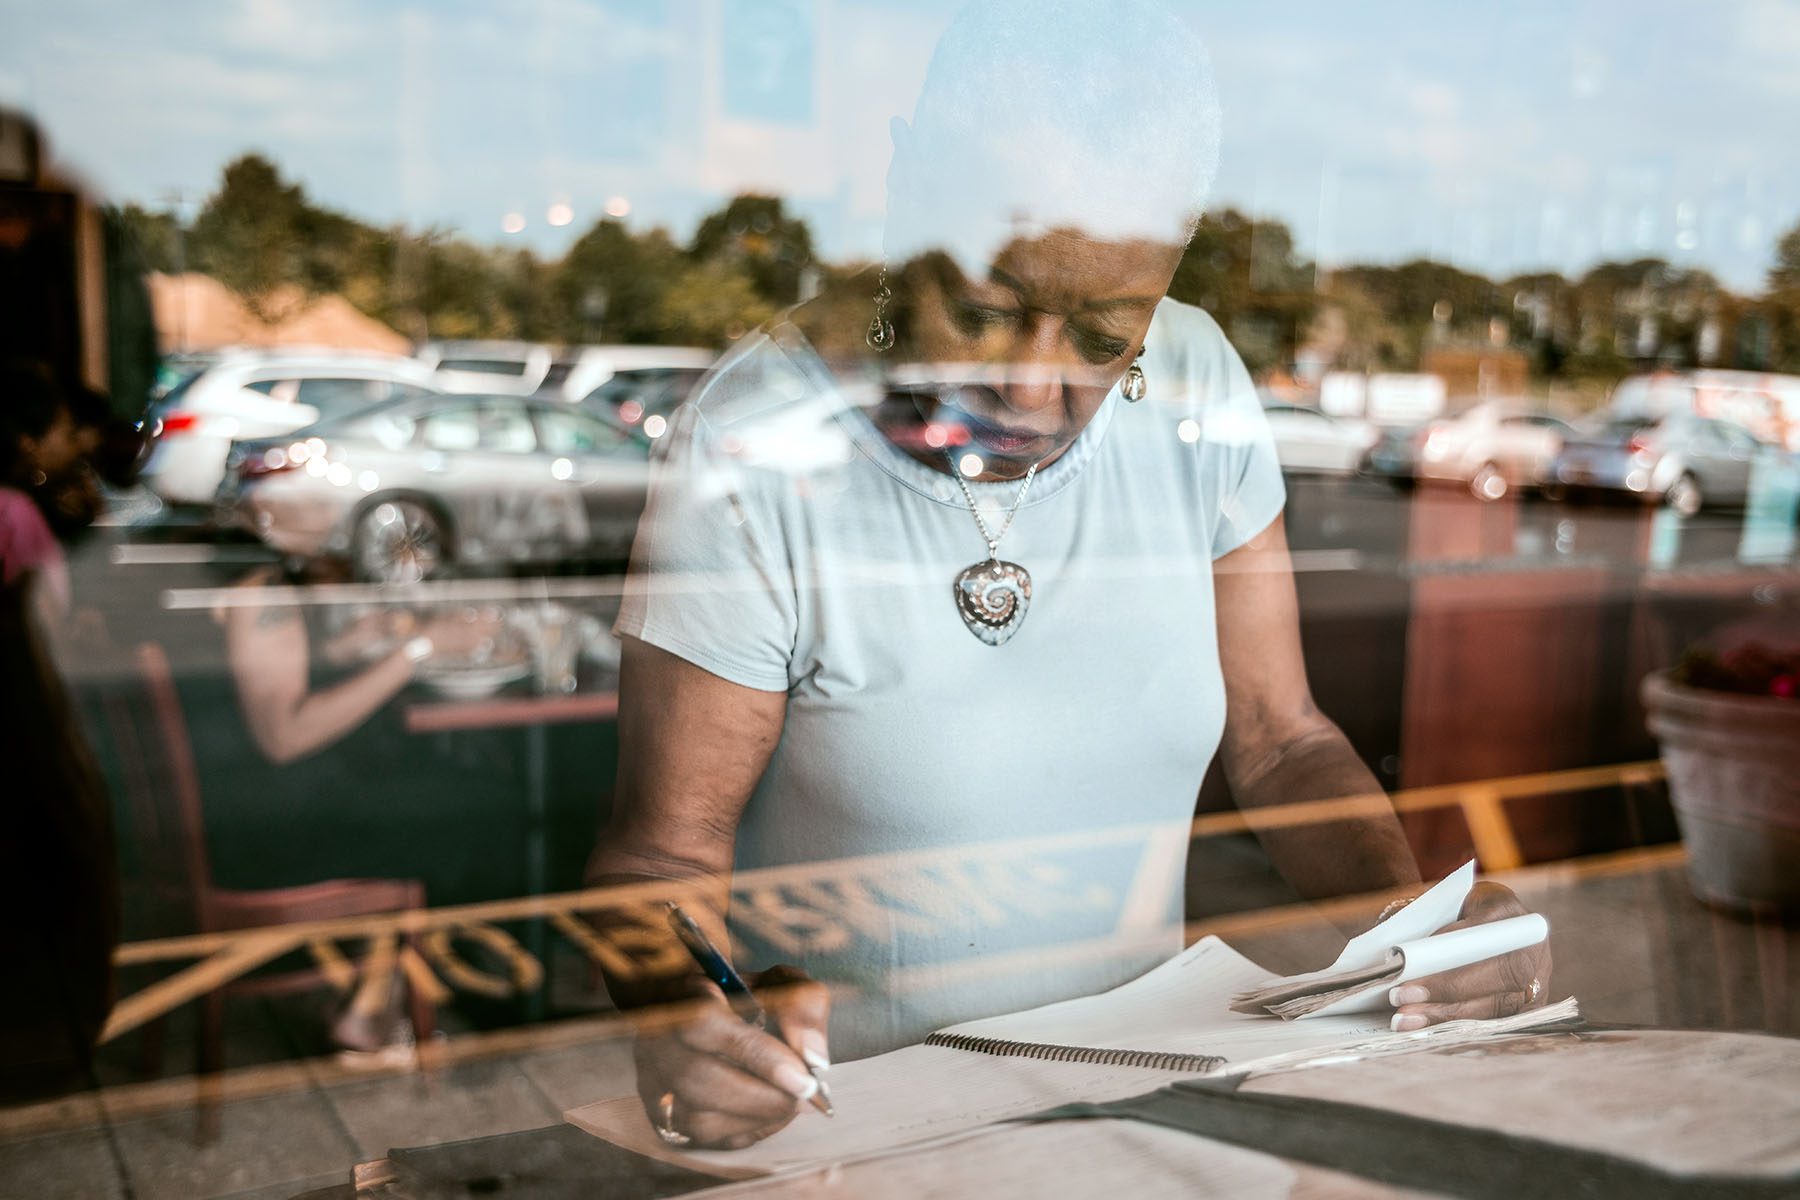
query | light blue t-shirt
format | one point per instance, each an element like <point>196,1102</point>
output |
<point>1009,823</point>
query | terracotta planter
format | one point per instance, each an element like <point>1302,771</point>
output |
<point>1734,778</point>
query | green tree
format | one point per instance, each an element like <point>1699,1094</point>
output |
<point>1784,276</point>
<point>1246,274</point>
<point>711,303</point>
<point>258,232</point>
<point>1771,333</point>
<point>154,236</point>
<point>610,285</point>
<point>756,235</point>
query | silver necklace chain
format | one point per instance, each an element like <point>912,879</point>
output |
<point>991,538</point>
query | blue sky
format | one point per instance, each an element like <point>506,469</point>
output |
<point>1537,133</point>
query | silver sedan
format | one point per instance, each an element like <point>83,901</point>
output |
<point>414,488</point>
<point>1683,461</point>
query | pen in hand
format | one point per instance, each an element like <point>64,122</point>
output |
<point>717,968</point>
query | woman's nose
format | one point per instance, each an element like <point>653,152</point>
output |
<point>1031,387</point>
<point>1032,378</point>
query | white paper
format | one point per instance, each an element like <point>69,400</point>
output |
<point>1429,913</point>
<point>1180,1007</point>
<point>927,1095</point>
<point>921,1095</point>
<point>1442,952</point>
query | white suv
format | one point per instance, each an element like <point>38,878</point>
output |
<point>262,393</point>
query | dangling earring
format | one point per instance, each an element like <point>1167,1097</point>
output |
<point>880,334</point>
<point>1134,386</point>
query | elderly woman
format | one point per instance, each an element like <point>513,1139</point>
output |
<point>1012,571</point>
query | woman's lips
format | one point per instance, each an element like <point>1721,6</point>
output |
<point>1003,441</point>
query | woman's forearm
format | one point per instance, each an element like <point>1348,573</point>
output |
<point>321,718</point>
<point>642,960</point>
<point>1358,848</point>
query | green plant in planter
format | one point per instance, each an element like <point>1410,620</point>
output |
<point>1752,669</point>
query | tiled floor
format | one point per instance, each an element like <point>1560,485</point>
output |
<point>1632,945</point>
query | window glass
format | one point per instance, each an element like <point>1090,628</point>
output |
<point>506,429</point>
<point>1147,284</point>
<point>628,385</point>
<point>452,429</point>
<point>334,396</point>
<point>484,366</point>
<point>282,391</point>
<point>392,427</point>
<point>567,431</point>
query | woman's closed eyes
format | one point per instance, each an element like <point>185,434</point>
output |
<point>976,320</point>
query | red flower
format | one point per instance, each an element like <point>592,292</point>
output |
<point>1783,686</point>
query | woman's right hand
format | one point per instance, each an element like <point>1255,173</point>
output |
<point>461,635</point>
<point>724,1083</point>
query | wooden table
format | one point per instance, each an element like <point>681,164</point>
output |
<point>1633,944</point>
<point>510,712</point>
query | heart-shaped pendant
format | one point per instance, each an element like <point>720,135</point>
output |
<point>991,598</point>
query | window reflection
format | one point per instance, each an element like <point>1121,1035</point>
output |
<point>964,501</point>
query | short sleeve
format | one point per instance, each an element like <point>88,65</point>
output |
<point>26,543</point>
<point>708,581</point>
<point>1251,493</point>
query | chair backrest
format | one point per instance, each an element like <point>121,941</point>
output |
<point>162,787</point>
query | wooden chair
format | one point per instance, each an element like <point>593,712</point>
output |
<point>156,761</point>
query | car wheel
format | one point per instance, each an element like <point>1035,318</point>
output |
<point>399,540</point>
<point>1489,483</point>
<point>1684,496</point>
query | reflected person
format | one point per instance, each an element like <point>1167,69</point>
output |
<point>985,546</point>
<point>291,712</point>
<point>38,445</point>
<point>309,678</point>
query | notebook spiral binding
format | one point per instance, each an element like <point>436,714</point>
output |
<point>1156,1060</point>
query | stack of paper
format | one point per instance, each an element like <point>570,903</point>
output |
<point>1406,946</point>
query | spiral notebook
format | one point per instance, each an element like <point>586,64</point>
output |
<point>1173,1022</point>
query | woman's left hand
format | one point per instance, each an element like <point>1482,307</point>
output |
<point>1496,987</point>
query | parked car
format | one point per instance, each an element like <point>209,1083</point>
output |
<point>1766,405</point>
<point>1490,448</point>
<point>173,369</point>
<point>567,373</point>
<point>415,487</point>
<point>1307,440</point>
<point>261,393</point>
<point>642,398</point>
<point>1684,461</point>
<point>487,367</point>
<point>579,371</point>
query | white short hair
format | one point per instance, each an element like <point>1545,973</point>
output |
<point>1041,114</point>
